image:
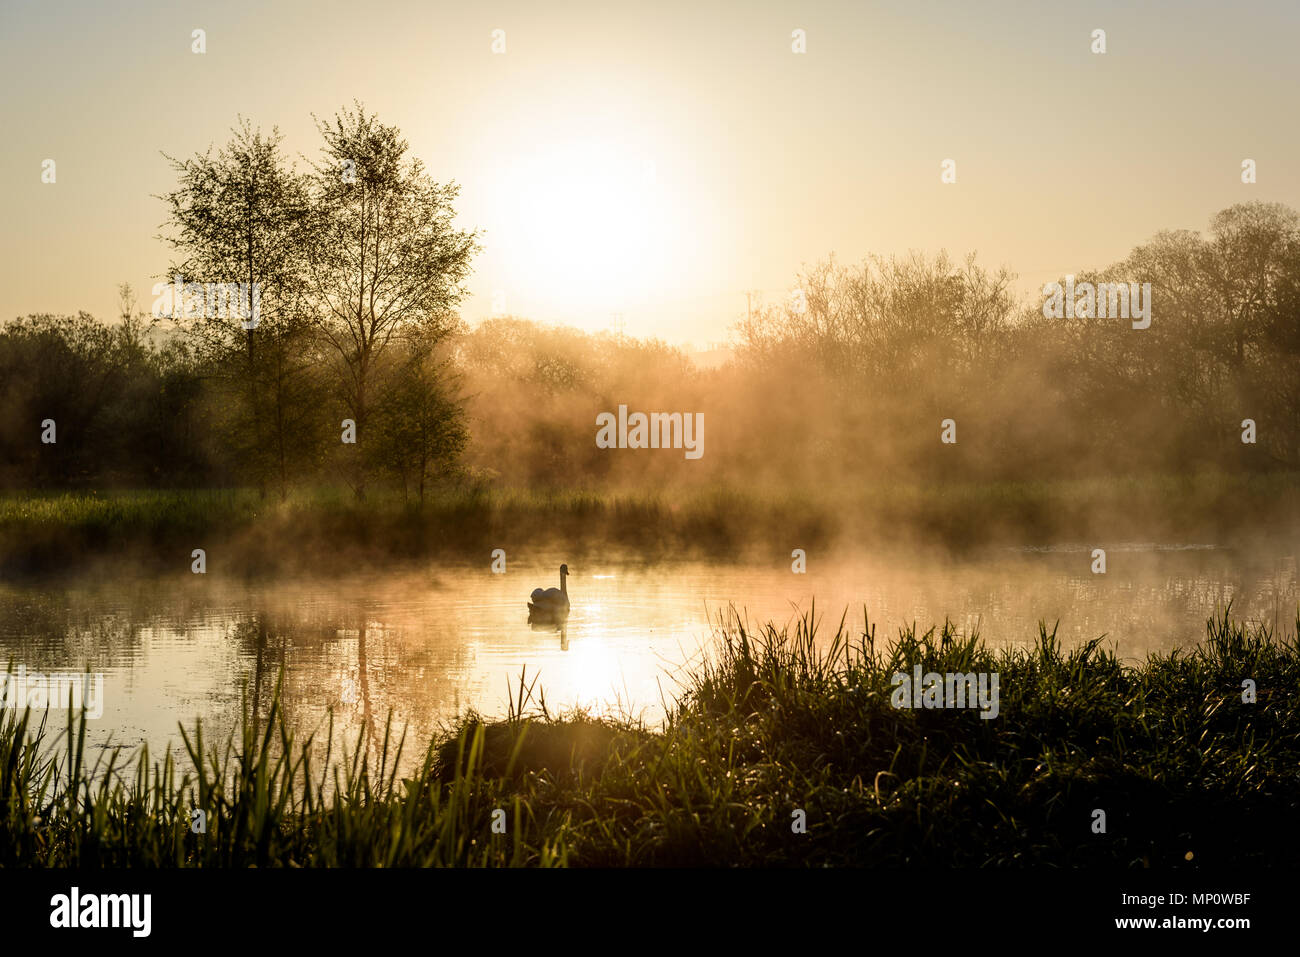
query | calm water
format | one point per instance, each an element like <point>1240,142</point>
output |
<point>428,645</point>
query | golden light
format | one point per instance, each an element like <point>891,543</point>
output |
<point>590,226</point>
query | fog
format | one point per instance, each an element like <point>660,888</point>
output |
<point>904,438</point>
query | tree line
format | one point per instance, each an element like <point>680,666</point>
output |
<point>357,333</point>
<point>903,342</point>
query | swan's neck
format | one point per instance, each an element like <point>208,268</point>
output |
<point>563,588</point>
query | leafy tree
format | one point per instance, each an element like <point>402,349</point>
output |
<point>384,258</point>
<point>421,427</point>
<point>243,216</point>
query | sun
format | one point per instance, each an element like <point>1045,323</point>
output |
<point>586,227</point>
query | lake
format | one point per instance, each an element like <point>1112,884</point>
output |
<point>426,645</point>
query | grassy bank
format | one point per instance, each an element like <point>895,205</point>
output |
<point>1187,774</point>
<point>327,530</point>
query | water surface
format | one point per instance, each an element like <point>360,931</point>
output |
<point>429,644</point>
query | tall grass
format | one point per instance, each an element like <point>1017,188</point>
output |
<point>775,721</point>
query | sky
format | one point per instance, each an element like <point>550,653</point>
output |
<point>646,166</point>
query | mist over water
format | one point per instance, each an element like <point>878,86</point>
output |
<point>429,645</point>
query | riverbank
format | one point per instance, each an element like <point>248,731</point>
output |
<point>328,531</point>
<point>785,749</point>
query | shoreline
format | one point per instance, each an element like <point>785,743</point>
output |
<point>325,530</point>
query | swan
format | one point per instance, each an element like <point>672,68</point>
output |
<point>551,602</point>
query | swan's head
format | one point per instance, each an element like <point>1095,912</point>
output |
<point>564,569</point>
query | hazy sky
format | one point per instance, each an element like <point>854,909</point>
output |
<point>659,159</point>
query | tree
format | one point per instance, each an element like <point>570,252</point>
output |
<point>1221,346</point>
<point>384,259</point>
<point>421,428</point>
<point>39,356</point>
<point>1247,257</point>
<point>241,217</point>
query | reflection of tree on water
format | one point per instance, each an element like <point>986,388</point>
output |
<point>262,641</point>
<point>363,674</point>
<point>344,655</point>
